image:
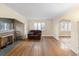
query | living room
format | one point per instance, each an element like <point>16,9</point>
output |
<point>58,24</point>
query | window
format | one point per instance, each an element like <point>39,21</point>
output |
<point>39,26</point>
<point>65,26</point>
<point>4,26</point>
<point>35,26</point>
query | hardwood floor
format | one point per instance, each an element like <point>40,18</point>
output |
<point>47,46</point>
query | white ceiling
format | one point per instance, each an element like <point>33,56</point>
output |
<point>40,10</point>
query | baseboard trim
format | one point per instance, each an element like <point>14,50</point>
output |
<point>46,36</point>
<point>49,37</point>
<point>64,36</point>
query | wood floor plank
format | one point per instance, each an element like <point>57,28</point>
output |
<point>47,46</point>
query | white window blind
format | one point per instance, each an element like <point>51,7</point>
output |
<point>39,26</point>
<point>65,26</point>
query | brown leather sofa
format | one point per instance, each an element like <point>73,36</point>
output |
<point>34,34</point>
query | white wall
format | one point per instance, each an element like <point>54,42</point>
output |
<point>6,12</point>
<point>74,37</point>
<point>78,36</point>
<point>19,27</point>
<point>55,28</point>
<point>48,26</point>
<point>51,29</point>
<point>73,15</point>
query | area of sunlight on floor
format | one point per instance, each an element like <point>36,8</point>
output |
<point>64,43</point>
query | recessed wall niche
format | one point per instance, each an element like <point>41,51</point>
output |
<point>6,24</point>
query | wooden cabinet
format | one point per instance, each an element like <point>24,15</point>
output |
<point>3,42</point>
<point>6,39</point>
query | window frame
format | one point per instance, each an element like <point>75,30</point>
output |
<point>65,25</point>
